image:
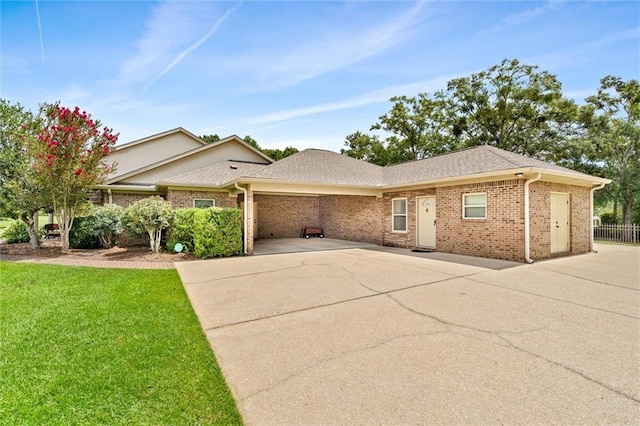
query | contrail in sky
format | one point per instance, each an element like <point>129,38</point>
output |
<point>40,31</point>
<point>194,46</point>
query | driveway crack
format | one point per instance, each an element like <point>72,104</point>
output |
<point>509,343</point>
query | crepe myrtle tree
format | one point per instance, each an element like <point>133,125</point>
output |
<point>68,157</point>
<point>151,215</point>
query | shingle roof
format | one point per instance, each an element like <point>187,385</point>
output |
<point>320,166</point>
<point>219,174</point>
<point>330,168</point>
<point>480,159</point>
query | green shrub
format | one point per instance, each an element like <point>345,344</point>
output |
<point>108,224</point>
<point>217,232</point>
<point>181,230</point>
<point>151,216</point>
<point>609,218</point>
<point>16,232</point>
<point>82,234</point>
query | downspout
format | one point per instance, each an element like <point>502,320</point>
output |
<point>527,246</point>
<point>245,221</point>
<point>593,189</point>
<point>110,196</point>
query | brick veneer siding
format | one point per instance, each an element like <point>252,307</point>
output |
<point>125,200</point>
<point>500,235</point>
<point>96,197</point>
<point>403,239</point>
<point>540,218</point>
<point>352,218</point>
<point>282,216</point>
<point>179,198</point>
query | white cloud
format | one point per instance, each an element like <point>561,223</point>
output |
<point>334,48</point>
<point>373,97</point>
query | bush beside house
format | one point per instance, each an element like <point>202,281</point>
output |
<point>211,232</point>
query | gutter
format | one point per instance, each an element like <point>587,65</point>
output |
<point>527,245</point>
<point>245,218</point>
<point>593,189</point>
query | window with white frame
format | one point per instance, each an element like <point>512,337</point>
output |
<point>202,203</point>
<point>399,215</point>
<point>474,206</point>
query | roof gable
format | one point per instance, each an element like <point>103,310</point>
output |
<point>229,148</point>
<point>143,152</point>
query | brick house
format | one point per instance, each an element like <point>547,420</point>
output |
<point>481,201</point>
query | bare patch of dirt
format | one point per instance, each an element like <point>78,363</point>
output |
<point>51,249</point>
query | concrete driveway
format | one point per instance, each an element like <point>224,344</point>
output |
<point>371,337</point>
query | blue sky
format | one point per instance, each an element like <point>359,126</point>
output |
<point>297,73</point>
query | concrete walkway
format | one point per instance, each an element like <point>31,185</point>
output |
<point>74,261</point>
<point>371,337</point>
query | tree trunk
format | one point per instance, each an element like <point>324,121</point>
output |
<point>615,210</point>
<point>65,222</point>
<point>31,220</point>
<point>626,210</point>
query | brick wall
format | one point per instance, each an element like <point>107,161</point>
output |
<point>282,216</point>
<point>402,239</point>
<point>352,218</point>
<point>96,197</point>
<point>540,222</point>
<point>179,198</point>
<point>500,235</point>
<point>125,200</point>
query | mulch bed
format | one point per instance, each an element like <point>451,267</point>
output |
<point>50,249</point>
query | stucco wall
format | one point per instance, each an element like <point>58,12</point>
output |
<point>352,218</point>
<point>282,216</point>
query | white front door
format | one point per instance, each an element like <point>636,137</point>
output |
<point>559,223</point>
<point>426,221</point>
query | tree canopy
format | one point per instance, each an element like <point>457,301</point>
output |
<point>522,109</point>
<point>20,197</point>
<point>67,156</point>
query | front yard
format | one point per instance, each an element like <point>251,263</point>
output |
<point>104,346</point>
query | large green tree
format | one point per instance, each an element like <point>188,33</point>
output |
<point>20,197</point>
<point>68,156</point>
<point>511,106</point>
<point>613,139</point>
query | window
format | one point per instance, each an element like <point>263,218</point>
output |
<point>399,215</point>
<point>474,206</point>
<point>203,204</point>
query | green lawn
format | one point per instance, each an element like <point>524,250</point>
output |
<point>5,221</point>
<point>104,346</point>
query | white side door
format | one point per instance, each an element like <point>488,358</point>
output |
<point>559,223</point>
<point>426,221</point>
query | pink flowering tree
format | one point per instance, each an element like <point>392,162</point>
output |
<point>68,157</point>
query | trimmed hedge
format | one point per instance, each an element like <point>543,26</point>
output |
<point>181,230</point>
<point>211,232</point>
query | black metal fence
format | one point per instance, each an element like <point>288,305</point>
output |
<point>613,233</point>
